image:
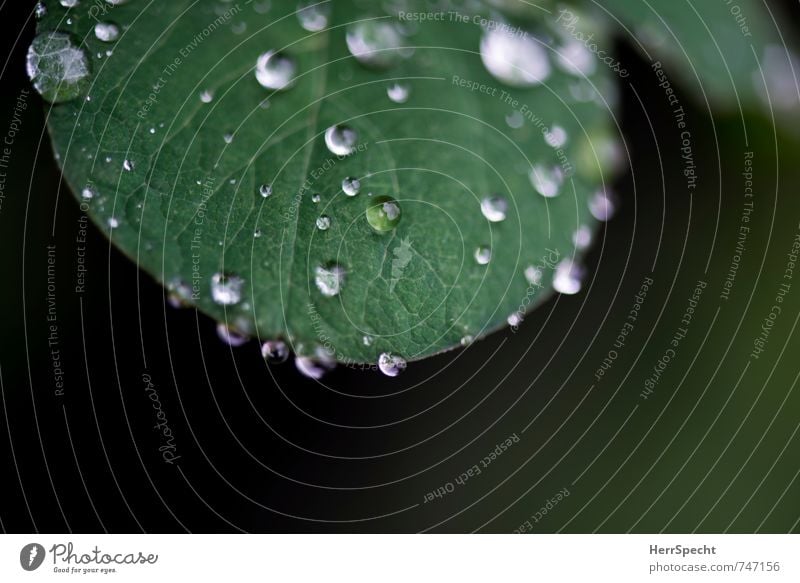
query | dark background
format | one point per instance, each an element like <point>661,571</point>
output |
<point>714,449</point>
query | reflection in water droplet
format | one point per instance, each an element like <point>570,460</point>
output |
<point>516,60</point>
<point>314,15</point>
<point>351,186</point>
<point>265,190</point>
<point>106,31</point>
<point>275,70</point>
<point>390,364</point>
<point>483,255</point>
<point>230,337</point>
<point>226,290</point>
<point>568,277</point>
<point>341,140</point>
<point>383,213</point>
<point>57,67</point>
<point>374,43</point>
<point>398,92</point>
<point>602,206</point>
<point>329,280</point>
<point>547,180</point>
<point>323,222</point>
<point>494,208</point>
<point>275,351</point>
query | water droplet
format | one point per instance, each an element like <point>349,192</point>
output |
<point>128,165</point>
<point>265,190</point>
<point>467,340</point>
<point>87,193</point>
<point>516,60</point>
<point>207,96</point>
<point>179,293</point>
<point>515,119</point>
<point>398,92</point>
<point>275,351</point>
<point>547,180</point>
<point>575,59</point>
<point>533,275</point>
<point>582,237</point>
<point>313,15</point>
<point>515,319</point>
<point>113,222</point>
<point>341,140</point>
<point>316,366</point>
<point>230,337</point>
<point>483,255</point>
<point>494,208</point>
<point>40,10</point>
<point>257,233</point>
<point>276,70</point>
<point>330,279</point>
<point>239,27</point>
<point>351,186</point>
<point>106,31</point>
<point>367,340</point>
<point>57,67</point>
<point>323,222</point>
<point>228,137</point>
<point>602,206</point>
<point>316,198</point>
<point>68,3</point>
<point>116,2</point>
<point>568,277</point>
<point>375,43</point>
<point>391,365</point>
<point>556,137</point>
<point>226,289</point>
<point>383,213</point>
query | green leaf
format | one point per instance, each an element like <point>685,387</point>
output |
<point>178,181</point>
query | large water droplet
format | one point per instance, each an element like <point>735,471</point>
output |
<point>516,60</point>
<point>351,186</point>
<point>316,366</point>
<point>275,351</point>
<point>276,70</point>
<point>547,180</point>
<point>230,336</point>
<point>568,277</point>
<point>323,222</point>
<point>314,15</point>
<point>375,43</point>
<point>57,67</point>
<point>106,31</point>
<point>383,213</point>
<point>390,364</point>
<point>494,208</point>
<point>341,140</point>
<point>329,279</point>
<point>483,255</point>
<point>226,289</point>
<point>398,92</point>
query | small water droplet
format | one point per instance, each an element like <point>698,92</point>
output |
<point>483,255</point>
<point>226,289</point>
<point>383,213</point>
<point>574,58</point>
<point>323,222</point>
<point>275,351</point>
<point>265,190</point>
<point>391,365</point>
<point>533,275</point>
<point>106,31</point>
<point>228,137</point>
<point>68,3</point>
<point>582,237</point>
<point>330,279</point>
<point>207,96</point>
<point>179,293</point>
<point>313,15</point>
<point>516,60</point>
<point>556,137</point>
<point>351,186</point>
<point>40,10</point>
<point>316,366</point>
<point>128,165</point>
<point>515,319</point>
<point>494,208</point>
<point>239,27</point>
<point>57,67</point>
<point>375,43</point>
<point>568,278</point>
<point>547,180</point>
<point>467,340</point>
<point>257,233</point>
<point>602,206</point>
<point>276,70</point>
<point>316,198</point>
<point>515,119</point>
<point>113,222</point>
<point>398,92</point>
<point>231,337</point>
<point>341,140</point>
<point>87,193</point>
<point>367,340</point>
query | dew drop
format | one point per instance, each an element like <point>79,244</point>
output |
<point>87,193</point>
<point>329,280</point>
<point>179,293</point>
<point>367,340</point>
<point>275,351</point>
<point>228,137</point>
<point>574,58</point>
<point>568,278</point>
<point>230,337</point>
<point>515,119</point>
<point>398,92</point>
<point>315,367</point>
<point>467,340</point>
<point>207,96</point>
<point>265,190</point>
<point>515,319</point>
<point>556,137</point>
<point>602,206</point>
<point>40,10</point>
<point>533,275</point>
<point>375,43</point>
<point>383,213</point>
<point>106,31</point>
<point>391,365</point>
<point>516,60</point>
<point>351,186</point>
<point>494,208</point>
<point>57,67</point>
<point>323,222</point>
<point>113,222</point>
<point>276,70</point>
<point>128,165</point>
<point>316,198</point>
<point>547,180</point>
<point>68,3</point>
<point>257,234</point>
<point>226,289</point>
<point>483,255</point>
<point>341,140</point>
<point>314,15</point>
<point>582,237</point>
